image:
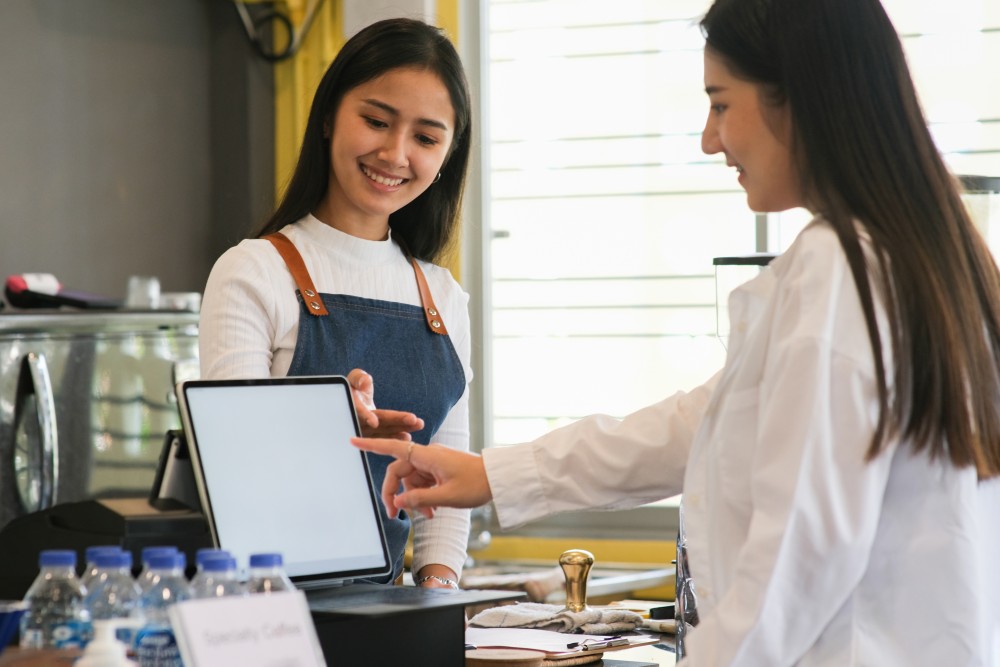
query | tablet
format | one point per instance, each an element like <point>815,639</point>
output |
<point>276,472</point>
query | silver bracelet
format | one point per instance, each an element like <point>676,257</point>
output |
<point>440,580</point>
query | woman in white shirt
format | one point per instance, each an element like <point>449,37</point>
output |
<point>841,474</point>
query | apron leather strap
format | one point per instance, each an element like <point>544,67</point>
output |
<point>434,321</point>
<point>300,274</point>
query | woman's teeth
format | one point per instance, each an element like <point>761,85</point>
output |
<point>381,179</point>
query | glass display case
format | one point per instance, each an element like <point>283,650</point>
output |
<point>85,402</point>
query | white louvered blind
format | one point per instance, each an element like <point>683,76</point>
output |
<point>606,213</point>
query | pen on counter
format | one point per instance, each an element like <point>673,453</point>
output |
<point>596,645</point>
<point>588,641</point>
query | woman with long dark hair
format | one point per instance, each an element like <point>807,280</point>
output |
<point>342,276</point>
<point>841,475</point>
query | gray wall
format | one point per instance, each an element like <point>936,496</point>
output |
<point>135,138</point>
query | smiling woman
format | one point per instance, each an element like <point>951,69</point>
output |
<point>342,277</point>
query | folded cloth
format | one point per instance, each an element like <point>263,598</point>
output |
<point>590,621</point>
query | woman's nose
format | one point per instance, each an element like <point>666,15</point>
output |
<point>710,144</point>
<point>393,150</point>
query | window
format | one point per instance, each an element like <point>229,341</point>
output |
<point>604,216</point>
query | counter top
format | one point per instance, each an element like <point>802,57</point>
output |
<point>54,322</point>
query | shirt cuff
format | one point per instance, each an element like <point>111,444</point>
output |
<point>515,484</point>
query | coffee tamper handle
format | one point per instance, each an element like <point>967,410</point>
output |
<point>576,564</point>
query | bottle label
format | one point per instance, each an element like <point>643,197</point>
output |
<point>157,647</point>
<point>72,634</point>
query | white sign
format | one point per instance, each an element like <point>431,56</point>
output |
<point>254,631</point>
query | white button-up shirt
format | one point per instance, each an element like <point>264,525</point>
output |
<point>802,552</point>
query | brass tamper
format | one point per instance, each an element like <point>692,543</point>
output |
<point>576,564</point>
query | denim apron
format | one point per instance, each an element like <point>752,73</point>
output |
<point>406,349</point>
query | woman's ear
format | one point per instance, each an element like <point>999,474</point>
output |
<point>327,128</point>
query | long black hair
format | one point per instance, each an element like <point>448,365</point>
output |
<point>426,226</point>
<point>865,155</point>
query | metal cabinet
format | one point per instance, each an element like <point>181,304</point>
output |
<point>85,401</point>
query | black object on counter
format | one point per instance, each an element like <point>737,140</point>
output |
<point>131,523</point>
<point>23,292</point>
<point>661,613</point>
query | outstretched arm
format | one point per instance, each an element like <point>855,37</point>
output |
<point>595,463</point>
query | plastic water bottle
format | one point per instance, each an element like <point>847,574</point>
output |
<point>155,643</point>
<point>217,579</point>
<point>56,616</point>
<point>90,570</point>
<point>114,594</point>
<point>202,556</point>
<point>267,574</point>
<point>145,578</point>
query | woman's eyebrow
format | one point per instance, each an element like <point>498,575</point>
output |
<point>389,109</point>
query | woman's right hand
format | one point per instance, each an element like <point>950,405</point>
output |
<point>377,423</point>
<point>432,476</point>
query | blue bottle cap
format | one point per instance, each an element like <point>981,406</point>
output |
<point>116,559</point>
<point>57,558</point>
<point>220,564</point>
<point>148,552</point>
<point>92,552</point>
<point>167,561</point>
<point>203,555</point>
<point>265,560</point>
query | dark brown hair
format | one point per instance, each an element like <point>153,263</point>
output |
<point>865,155</point>
<point>426,226</point>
